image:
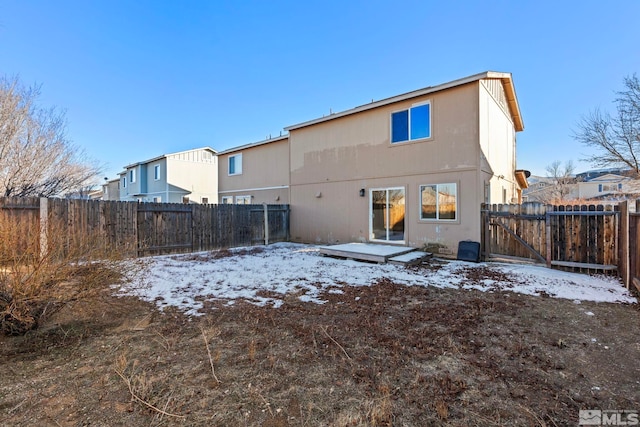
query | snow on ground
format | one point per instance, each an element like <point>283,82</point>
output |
<point>186,280</point>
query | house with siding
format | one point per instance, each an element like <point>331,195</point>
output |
<point>412,169</point>
<point>255,173</point>
<point>111,189</point>
<point>185,177</point>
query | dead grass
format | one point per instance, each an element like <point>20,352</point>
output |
<point>386,355</point>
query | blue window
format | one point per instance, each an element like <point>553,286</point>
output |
<point>411,124</point>
<point>235,164</point>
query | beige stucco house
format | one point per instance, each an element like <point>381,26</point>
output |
<point>412,169</point>
<point>255,173</point>
<point>185,177</point>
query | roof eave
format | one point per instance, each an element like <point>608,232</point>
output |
<point>253,144</point>
<point>505,77</point>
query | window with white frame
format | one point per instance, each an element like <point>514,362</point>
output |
<point>227,200</point>
<point>132,176</point>
<point>156,172</point>
<point>235,164</point>
<point>243,200</point>
<point>157,199</point>
<point>185,200</point>
<point>124,182</point>
<point>205,200</point>
<point>439,202</point>
<point>411,124</point>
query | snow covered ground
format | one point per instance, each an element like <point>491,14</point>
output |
<point>186,280</point>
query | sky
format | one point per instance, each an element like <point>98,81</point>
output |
<point>141,78</point>
<point>267,274</point>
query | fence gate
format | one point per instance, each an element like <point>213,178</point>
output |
<point>581,237</point>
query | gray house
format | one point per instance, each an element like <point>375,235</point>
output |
<point>185,177</point>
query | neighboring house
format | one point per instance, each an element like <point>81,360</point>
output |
<point>185,177</point>
<point>111,189</point>
<point>545,189</point>
<point>412,169</point>
<point>255,173</point>
<point>607,186</point>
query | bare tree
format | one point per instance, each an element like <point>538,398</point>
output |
<point>36,157</point>
<point>616,138</point>
<point>563,181</point>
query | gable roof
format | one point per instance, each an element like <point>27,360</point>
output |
<point>608,177</point>
<point>167,155</point>
<point>506,79</point>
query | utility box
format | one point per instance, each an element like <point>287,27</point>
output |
<point>469,250</point>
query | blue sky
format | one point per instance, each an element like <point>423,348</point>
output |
<point>146,77</point>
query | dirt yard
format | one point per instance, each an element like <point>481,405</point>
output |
<point>385,355</point>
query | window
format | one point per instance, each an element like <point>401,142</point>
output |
<point>439,202</point>
<point>235,164</point>
<point>227,200</point>
<point>243,200</point>
<point>132,176</point>
<point>156,172</point>
<point>157,200</point>
<point>185,200</point>
<point>205,200</point>
<point>411,124</point>
<point>124,182</point>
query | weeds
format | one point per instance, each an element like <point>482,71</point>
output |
<point>41,270</point>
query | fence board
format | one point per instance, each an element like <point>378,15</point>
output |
<point>574,237</point>
<point>134,228</point>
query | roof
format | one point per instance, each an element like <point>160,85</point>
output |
<point>254,144</point>
<point>506,79</point>
<point>169,154</point>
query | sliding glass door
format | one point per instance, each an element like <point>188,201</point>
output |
<point>386,214</point>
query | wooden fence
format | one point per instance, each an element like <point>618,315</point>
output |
<point>583,237</point>
<point>138,229</point>
<point>634,248</point>
<point>589,238</point>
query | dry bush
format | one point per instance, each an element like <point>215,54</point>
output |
<point>40,271</point>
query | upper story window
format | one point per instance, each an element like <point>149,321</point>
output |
<point>411,124</point>
<point>132,176</point>
<point>124,182</point>
<point>439,202</point>
<point>156,172</point>
<point>235,164</point>
<point>227,200</point>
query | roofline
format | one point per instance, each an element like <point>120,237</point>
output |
<point>253,144</point>
<point>168,154</point>
<point>505,77</point>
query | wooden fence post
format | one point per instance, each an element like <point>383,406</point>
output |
<point>623,233</point>
<point>547,223</point>
<point>44,223</point>
<point>266,224</point>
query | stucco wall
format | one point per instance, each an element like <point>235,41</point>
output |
<point>337,158</point>
<point>265,173</point>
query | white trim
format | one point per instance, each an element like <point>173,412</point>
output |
<point>404,232</point>
<point>243,197</point>
<point>242,190</point>
<point>222,200</point>
<point>158,176</point>
<point>457,218</point>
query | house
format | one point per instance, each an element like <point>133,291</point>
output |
<point>255,173</point>
<point>606,186</point>
<point>111,189</point>
<point>185,177</point>
<point>412,169</point>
